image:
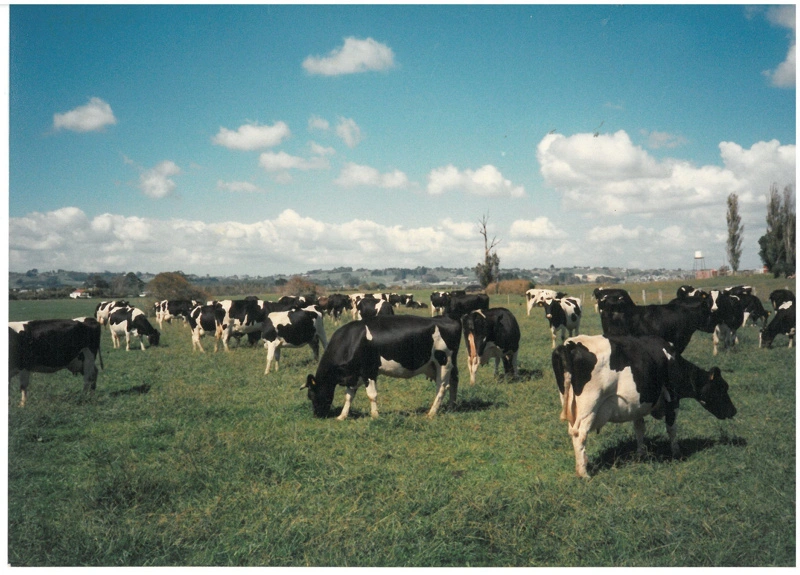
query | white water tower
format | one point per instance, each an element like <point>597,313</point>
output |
<point>699,261</point>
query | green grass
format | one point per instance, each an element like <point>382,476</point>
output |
<point>181,458</point>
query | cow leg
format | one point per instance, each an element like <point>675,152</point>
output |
<point>272,350</point>
<point>114,340</point>
<point>314,345</point>
<point>348,399</point>
<point>89,371</point>
<point>581,460</point>
<point>24,379</point>
<point>196,342</point>
<point>372,394</point>
<point>638,428</point>
<point>442,383</point>
<point>671,420</point>
<point>141,342</point>
<point>127,341</point>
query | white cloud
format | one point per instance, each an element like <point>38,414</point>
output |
<point>784,75</point>
<point>612,176</point>
<point>157,182</point>
<point>352,57</point>
<point>246,187</point>
<point>355,175</point>
<point>319,150</point>
<point>539,229</point>
<point>281,161</point>
<point>486,181</point>
<point>93,116</point>
<point>290,242</point>
<point>349,132</point>
<point>252,136</point>
<point>319,124</point>
<point>657,140</point>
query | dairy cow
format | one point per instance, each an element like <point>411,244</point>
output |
<point>563,315</point>
<point>131,321</point>
<point>369,307</point>
<point>782,323</point>
<point>537,297</point>
<point>203,320</point>
<point>493,333</point>
<point>779,297</point>
<point>462,303</point>
<point>397,346</point>
<point>242,317</point>
<point>167,310</point>
<point>50,345</point>
<point>294,328</point>
<point>104,308</point>
<point>617,379</point>
<point>439,301</point>
<point>753,310</point>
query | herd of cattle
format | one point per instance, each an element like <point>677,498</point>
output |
<point>633,369</point>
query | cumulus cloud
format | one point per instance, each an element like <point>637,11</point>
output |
<point>292,242</point>
<point>353,175</point>
<point>352,57</point>
<point>658,140</point>
<point>89,118</point>
<point>246,187</point>
<point>349,132</point>
<point>281,161</point>
<point>538,229</point>
<point>157,182</point>
<point>486,181</point>
<point>315,123</point>
<point>783,76</point>
<point>252,136</point>
<point>610,175</point>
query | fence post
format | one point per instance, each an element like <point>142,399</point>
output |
<point>661,297</point>
<point>644,297</point>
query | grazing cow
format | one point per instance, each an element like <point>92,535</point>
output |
<point>294,328</point>
<point>337,303</point>
<point>370,307</point>
<point>407,299</point>
<point>167,310</point>
<point>753,310</point>
<point>460,304</point>
<point>397,346</point>
<point>675,321</point>
<point>779,297</point>
<point>618,379</point>
<point>739,290</point>
<point>493,333</point>
<point>563,314</point>
<point>439,301</point>
<point>783,322</point>
<point>241,317</point>
<point>416,305</point>
<point>50,345</point>
<point>727,315</point>
<point>536,297</point>
<point>131,321</point>
<point>204,319</point>
<point>104,308</point>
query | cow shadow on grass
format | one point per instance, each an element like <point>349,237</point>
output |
<point>659,450</point>
<point>134,390</point>
<point>467,406</point>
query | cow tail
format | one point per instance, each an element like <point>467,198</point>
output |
<point>100,356</point>
<point>563,373</point>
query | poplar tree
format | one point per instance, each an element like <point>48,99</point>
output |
<point>735,231</point>
<point>777,246</point>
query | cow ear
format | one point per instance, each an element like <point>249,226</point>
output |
<point>310,381</point>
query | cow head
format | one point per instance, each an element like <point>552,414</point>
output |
<point>713,395</point>
<point>321,396</point>
<point>154,337</point>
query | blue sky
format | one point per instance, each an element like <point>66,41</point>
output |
<point>277,139</point>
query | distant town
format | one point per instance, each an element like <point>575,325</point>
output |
<point>36,283</point>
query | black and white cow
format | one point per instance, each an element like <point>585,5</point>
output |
<point>563,314</point>
<point>619,379</point>
<point>536,297</point>
<point>782,323</point>
<point>167,310</point>
<point>50,345</point>
<point>675,321</point>
<point>294,328</point>
<point>606,296</point>
<point>687,291</point>
<point>462,303</point>
<point>337,304</point>
<point>368,307</point>
<point>397,346</point>
<point>439,301</point>
<point>242,316</point>
<point>727,316</point>
<point>205,319</point>
<point>753,310</point>
<point>493,333</point>
<point>104,308</point>
<point>130,321</point>
<point>779,297</point>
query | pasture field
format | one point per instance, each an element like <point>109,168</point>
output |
<point>182,458</point>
